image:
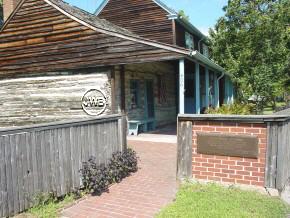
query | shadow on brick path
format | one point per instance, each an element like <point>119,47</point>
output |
<point>141,195</point>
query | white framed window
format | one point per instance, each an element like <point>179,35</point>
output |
<point>189,41</point>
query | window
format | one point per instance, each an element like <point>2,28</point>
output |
<point>134,93</point>
<point>189,41</point>
<point>205,50</point>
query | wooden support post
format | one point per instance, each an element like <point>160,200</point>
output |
<point>113,90</point>
<point>123,94</point>
<point>197,89</point>
<point>181,85</point>
<point>122,128</point>
<point>206,87</point>
<point>227,85</point>
<point>227,90</point>
<point>232,93</point>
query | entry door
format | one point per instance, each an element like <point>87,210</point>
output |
<point>149,100</point>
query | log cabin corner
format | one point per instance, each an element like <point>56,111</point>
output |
<point>151,64</point>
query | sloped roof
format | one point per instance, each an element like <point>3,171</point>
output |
<point>172,14</point>
<point>106,27</point>
<point>101,25</point>
<point>158,2</point>
<point>90,18</point>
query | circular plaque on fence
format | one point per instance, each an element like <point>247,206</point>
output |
<point>94,102</point>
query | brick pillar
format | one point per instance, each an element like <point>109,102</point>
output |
<point>8,7</point>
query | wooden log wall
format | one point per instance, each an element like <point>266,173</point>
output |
<point>40,38</point>
<point>47,159</point>
<point>49,97</point>
<point>143,17</point>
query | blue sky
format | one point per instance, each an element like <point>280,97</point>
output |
<point>203,13</point>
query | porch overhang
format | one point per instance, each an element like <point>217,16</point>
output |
<point>197,56</point>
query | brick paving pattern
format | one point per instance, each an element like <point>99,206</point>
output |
<point>141,195</point>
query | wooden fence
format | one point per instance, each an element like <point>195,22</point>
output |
<point>278,155</point>
<point>47,158</point>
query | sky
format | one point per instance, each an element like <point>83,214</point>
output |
<point>203,13</point>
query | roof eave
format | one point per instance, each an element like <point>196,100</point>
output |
<point>203,59</point>
<point>165,7</point>
<point>101,7</point>
<point>158,2</point>
<point>191,27</point>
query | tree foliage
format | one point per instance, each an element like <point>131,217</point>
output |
<point>182,14</point>
<point>252,43</point>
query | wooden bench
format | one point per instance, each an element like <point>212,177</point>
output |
<point>137,126</point>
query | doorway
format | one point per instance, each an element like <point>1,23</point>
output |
<point>149,105</point>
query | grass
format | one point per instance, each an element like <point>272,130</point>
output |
<point>214,201</point>
<point>50,207</point>
<point>269,110</point>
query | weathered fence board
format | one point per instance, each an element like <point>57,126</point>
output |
<point>283,160</point>
<point>47,158</point>
<point>271,159</point>
<point>278,155</point>
<point>184,153</point>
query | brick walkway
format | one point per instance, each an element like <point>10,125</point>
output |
<point>140,195</point>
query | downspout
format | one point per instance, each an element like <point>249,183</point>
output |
<point>198,44</point>
<point>218,88</point>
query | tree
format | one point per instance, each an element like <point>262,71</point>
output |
<point>183,16</point>
<point>252,43</point>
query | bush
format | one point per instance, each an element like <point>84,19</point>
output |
<point>236,109</point>
<point>97,178</point>
<point>122,165</point>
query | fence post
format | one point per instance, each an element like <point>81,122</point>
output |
<point>122,128</point>
<point>271,155</point>
<point>184,150</point>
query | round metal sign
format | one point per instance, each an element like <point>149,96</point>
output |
<point>94,102</point>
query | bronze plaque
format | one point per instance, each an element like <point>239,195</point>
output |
<point>228,145</point>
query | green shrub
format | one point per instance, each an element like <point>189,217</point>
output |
<point>97,178</point>
<point>235,109</point>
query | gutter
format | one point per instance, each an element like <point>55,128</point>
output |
<point>190,27</point>
<point>200,57</point>
<point>198,44</point>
